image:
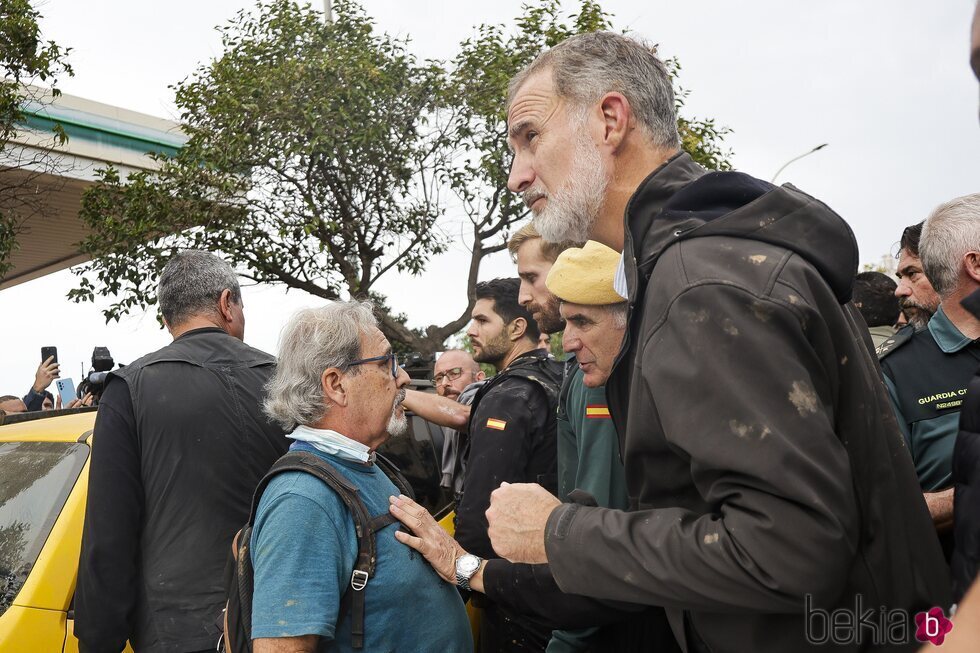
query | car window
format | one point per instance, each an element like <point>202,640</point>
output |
<point>36,480</point>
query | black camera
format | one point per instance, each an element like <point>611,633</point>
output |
<point>94,382</point>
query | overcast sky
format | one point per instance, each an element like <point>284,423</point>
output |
<point>886,84</point>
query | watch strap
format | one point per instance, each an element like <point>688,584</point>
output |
<point>463,580</point>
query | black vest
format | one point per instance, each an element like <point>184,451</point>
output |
<point>546,373</point>
<point>204,444</point>
<point>929,382</point>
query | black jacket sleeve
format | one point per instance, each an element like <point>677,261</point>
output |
<point>106,593</point>
<point>500,445</point>
<point>34,400</point>
<point>531,590</point>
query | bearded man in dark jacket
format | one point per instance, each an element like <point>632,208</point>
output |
<point>768,480</point>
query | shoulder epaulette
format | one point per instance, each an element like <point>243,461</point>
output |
<point>891,344</point>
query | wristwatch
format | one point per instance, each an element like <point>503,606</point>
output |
<point>466,565</point>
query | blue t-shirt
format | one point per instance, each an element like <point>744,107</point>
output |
<point>303,552</point>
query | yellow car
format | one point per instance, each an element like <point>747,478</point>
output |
<point>44,458</point>
<point>42,506</point>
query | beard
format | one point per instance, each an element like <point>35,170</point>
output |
<point>494,351</point>
<point>917,314</point>
<point>398,422</point>
<point>547,316</point>
<point>571,212</point>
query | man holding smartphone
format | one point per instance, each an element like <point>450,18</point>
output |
<point>47,371</point>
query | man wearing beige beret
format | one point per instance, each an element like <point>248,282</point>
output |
<point>595,319</point>
<point>578,291</point>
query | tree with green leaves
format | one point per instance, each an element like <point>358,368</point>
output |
<point>313,161</point>
<point>478,83</point>
<point>26,60</point>
<point>323,155</point>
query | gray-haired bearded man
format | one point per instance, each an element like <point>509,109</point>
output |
<point>762,458</point>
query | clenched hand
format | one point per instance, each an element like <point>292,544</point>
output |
<point>518,515</point>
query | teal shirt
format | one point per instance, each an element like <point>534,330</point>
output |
<point>303,552</point>
<point>588,459</point>
<point>930,441</point>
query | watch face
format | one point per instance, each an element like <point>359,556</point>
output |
<point>467,564</point>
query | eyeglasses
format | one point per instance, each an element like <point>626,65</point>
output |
<point>378,359</point>
<point>448,375</point>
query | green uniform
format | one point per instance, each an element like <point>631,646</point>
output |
<point>588,447</point>
<point>926,373</point>
<point>588,459</point>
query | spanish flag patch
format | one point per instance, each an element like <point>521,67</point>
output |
<point>597,411</point>
<point>498,424</point>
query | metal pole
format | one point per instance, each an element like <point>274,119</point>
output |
<point>797,158</point>
<point>327,13</point>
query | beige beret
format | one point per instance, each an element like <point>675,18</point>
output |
<point>584,275</point>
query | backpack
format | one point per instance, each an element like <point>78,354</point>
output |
<point>239,575</point>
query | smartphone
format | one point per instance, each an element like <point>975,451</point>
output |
<point>47,352</point>
<point>66,389</point>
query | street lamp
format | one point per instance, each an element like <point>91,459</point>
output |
<point>797,158</point>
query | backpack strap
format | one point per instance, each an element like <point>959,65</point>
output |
<point>394,474</point>
<point>365,527</point>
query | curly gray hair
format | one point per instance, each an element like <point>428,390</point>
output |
<point>314,340</point>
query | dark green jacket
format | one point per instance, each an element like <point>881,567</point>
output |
<point>588,460</point>
<point>588,447</point>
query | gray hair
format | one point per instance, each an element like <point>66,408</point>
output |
<point>313,340</point>
<point>949,233</point>
<point>618,313</point>
<point>191,284</point>
<point>587,66</point>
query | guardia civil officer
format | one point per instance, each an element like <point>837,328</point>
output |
<point>927,371</point>
<point>511,439</point>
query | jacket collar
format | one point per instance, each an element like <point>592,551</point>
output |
<point>945,333</point>
<point>200,331</point>
<point>641,245</point>
<point>529,357</point>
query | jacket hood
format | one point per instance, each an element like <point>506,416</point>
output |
<point>737,205</point>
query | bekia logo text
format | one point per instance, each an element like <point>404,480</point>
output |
<point>860,624</point>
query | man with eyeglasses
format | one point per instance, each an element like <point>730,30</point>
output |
<point>458,377</point>
<point>339,391</point>
<point>454,371</point>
